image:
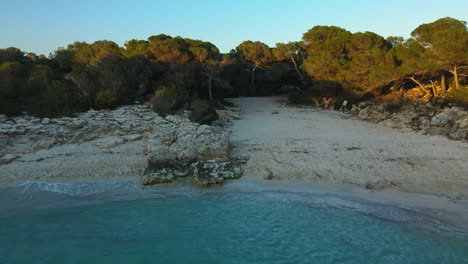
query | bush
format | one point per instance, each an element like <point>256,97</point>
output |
<point>202,112</point>
<point>168,98</point>
<point>106,99</point>
<point>458,96</point>
<point>9,98</point>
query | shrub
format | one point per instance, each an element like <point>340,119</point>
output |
<point>106,99</point>
<point>168,98</point>
<point>56,99</point>
<point>202,112</point>
<point>458,96</point>
<point>9,98</point>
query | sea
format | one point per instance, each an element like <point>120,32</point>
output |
<point>123,222</point>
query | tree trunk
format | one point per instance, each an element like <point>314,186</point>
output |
<point>252,87</point>
<point>301,78</point>
<point>455,77</point>
<point>210,94</point>
<point>420,85</point>
<point>434,91</point>
<point>442,85</point>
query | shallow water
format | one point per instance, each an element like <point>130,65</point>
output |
<point>122,223</point>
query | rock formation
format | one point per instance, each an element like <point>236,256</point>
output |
<point>450,121</point>
<point>137,141</point>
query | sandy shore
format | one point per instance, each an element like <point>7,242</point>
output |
<point>331,151</point>
<point>289,148</point>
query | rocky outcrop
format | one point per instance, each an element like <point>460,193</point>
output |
<point>168,147</point>
<point>450,121</point>
<point>180,147</point>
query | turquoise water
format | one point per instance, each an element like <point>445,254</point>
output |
<point>189,225</point>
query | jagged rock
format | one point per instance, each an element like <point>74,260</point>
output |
<point>459,134</point>
<point>173,143</point>
<point>216,171</point>
<point>205,175</point>
<point>202,112</point>
<point>424,123</point>
<point>108,142</point>
<point>160,157</point>
<point>210,143</point>
<point>158,177</point>
<point>425,119</point>
<point>463,124</point>
<point>445,118</point>
<point>435,131</point>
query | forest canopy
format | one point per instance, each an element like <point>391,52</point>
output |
<point>328,59</point>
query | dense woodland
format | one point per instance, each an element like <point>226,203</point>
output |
<point>329,62</point>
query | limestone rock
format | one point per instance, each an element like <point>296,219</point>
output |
<point>108,142</point>
<point>7,158</point>
<point>133,137</point>
<point>160,157</point>
<point>216,171</point>
<point>445,118</point>
<point>161,176</point>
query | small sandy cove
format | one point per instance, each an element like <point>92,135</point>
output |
<point>331,150</point>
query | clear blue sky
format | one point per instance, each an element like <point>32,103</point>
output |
<point>42,26</point>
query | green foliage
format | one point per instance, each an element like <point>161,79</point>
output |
<point>166,49</point>
<point>137,48</point>
<point>11,55</point>
<point>9,98</point>
<point>458,96</point>
<point>258,53</point>
<point>338,64</point>
<point>202,112</point>
<point>106,99</point>
<point>168,98</point>
<point>446,39</point>
<point>359,61</point>
<point>286,51</point>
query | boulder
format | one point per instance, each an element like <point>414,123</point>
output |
<point>216,171</point>
<point>436,131</point>
<point>158,177</point>
<point>444,118</point>
<point>210,143</point>
<point>459,134</point>
<point>160,157</point>
<point>45,121</point>
<point>463,124</point>
<point>202,112</point>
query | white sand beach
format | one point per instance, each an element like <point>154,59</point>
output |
<point>330,150</point>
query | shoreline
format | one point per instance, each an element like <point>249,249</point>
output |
<point>294,149</point>
<point>387,205</point>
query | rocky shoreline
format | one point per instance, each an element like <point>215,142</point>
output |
<point>130,141</point>
<point>426,119</point>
